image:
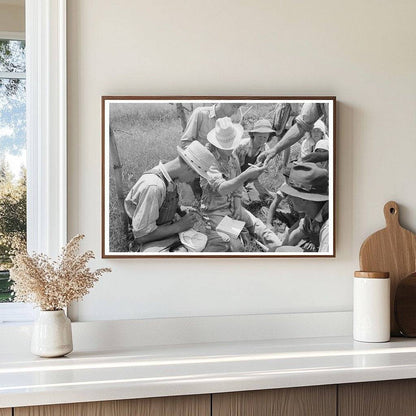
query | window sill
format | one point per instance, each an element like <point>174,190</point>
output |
<point>16,313</point>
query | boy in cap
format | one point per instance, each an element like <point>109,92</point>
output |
<point>307,190</point>
<point>152,202</point>
<point>247,152</point>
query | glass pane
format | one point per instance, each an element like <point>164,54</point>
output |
<point>12,56</point>
<point>12,175</point>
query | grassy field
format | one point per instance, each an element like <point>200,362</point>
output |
<point>148,133</point>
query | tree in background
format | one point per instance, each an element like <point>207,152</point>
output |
<point>12,143</point>
<point>12,223</point>
<point>12,97</point>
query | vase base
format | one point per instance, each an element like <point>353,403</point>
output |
<point>53,353</point>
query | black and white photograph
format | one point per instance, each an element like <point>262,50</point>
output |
<point>218,176</point>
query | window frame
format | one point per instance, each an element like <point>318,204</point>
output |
<point>12,35</point>
<point>14,312</point>
<point>46,137</point>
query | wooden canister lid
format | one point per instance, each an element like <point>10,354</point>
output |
<point>372,275</point>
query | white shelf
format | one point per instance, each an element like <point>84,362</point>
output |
<point>150,371</point>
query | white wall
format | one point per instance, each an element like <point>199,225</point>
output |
<point>363,52</point>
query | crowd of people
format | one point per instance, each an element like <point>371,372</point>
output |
<point>223,169</point>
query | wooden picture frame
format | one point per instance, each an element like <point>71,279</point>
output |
<point>138,131</point>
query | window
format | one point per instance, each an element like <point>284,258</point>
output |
<point>45,29</point>
<point>12,153</point>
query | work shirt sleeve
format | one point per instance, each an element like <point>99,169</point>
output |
<point>324,237</point>
<point>238,193</point>
<point>241,151</point>
<point>143,204</point>
<point>191,130</point>
<point>215,177</point>
<point>310,113</point>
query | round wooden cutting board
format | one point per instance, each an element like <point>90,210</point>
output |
<point>393,250</point>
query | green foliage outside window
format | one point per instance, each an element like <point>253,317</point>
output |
<point>12,223</point>
<point>12,144</point>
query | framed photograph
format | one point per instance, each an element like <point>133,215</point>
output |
<point>218,177</point>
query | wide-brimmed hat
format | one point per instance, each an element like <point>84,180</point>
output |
<point>193,240</point>
<point>225,135</point>
<point>262,126</point>
<point>198,157</point>
<point>307,181</point>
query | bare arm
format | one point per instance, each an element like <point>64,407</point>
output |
<point>253,172</point>
<point>295,237</point>
<point>273,206</point>
<point>316,157</point>
<point>294,134</point>
<point>263,192</point>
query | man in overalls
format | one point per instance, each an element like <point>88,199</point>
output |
<point>153,201</point>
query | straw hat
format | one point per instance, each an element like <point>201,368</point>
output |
<point>194,241</point>
<point>198,157</point>
<point>307,181</point>
<point>225,135</point>
<point>262,126</point>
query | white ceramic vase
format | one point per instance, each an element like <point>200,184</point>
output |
<point>52,334</point>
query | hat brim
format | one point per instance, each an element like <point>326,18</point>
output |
<point>212,138</point>
<point>193,240</point>
<point>191,163</point>
<point>263,130</point>
<point>322,144</point>
<point>309,196</point>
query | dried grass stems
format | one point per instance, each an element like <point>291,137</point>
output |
<point>53,285</point>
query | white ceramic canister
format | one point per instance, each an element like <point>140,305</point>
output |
<point>371,305</point>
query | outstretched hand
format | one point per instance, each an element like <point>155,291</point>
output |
<point>262,157</point>
<point>265,157</point>
<point>187,221</point>
<point>254,171</point>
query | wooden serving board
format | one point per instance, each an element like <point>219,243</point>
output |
<point>393,250</point>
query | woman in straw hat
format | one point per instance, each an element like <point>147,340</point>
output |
<point>222,190</point>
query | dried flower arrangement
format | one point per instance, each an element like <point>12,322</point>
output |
<point>53,285</point>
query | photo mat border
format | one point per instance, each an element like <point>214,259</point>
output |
<point>105,253</point>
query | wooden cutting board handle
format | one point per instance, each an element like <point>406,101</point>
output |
<point>393,250</point>
<point>391,214</point>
